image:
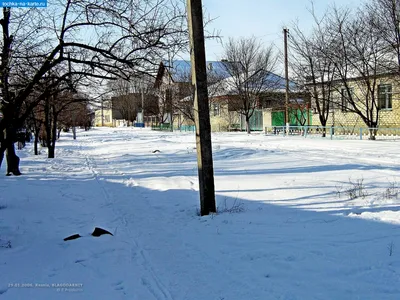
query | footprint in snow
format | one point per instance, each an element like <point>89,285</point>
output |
<point>118,285</point>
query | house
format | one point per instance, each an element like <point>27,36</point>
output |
<point>126,110</point>
<point>175,99</point>
<point>267,110</point>
<point>103,115</point>
<point>362,102</point>
<point>175,94</point>
<point>106,115</point>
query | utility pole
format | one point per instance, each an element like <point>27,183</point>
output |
<point>285,34</point>
<point>142,104</point>
<point>102,113</point>
<point>201,109</point>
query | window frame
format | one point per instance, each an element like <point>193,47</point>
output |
<point>386,90</point>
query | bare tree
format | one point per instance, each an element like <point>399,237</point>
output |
<point>346,57</point>
<point>132,96</point>
<point>183,101</point>
<point>54,105</point>
<point>360,57</point>
<point>35,122</point>
<point>76,114</point>
<point>250,67</point>
<point>312,67</point>
<point>384,18</point>
<point>100,39</point>
<point>127,106</point>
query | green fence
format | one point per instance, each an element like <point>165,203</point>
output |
<point>295,116</point>
<point>349,133</point>
<point>162,127</point>
<point>185,128</point>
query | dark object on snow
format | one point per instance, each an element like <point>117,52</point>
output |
<point>156,151</point>
<point>72,237</point>
<point>99,231</point>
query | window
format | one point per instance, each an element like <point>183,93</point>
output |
<point>216,109</point>
<point>346,96</point>
<point>385,96</point>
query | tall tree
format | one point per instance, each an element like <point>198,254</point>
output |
<point>345,58</point>
<point>384,18</point>
<point>250,67</point>
<point>361,58</point>
<point>183,100</point>
<point>312,67</point>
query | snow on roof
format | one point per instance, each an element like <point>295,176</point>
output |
<point>272,82</point>
<point>180,69</point>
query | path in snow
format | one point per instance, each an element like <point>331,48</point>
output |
<point>135,222</point>
<point>139,258</point>
<point>293,240</point>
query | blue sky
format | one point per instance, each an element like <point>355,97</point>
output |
<point>264,19</point>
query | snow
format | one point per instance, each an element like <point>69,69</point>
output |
<point>286,227</point>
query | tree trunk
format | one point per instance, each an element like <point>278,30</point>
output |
<point>12,161</point>
<point>323,123</point>
<point>58,133</point>
<point>248,129</point>
<point>51,151</point>
<point>2,146</point>
<point>74,132</point>
<point>372,133</point>
<point>12,158</point>
<point>36,142</point>
<point>53,136</point>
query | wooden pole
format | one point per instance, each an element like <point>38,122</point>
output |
<point>201,109</point>
<point>285,33</point>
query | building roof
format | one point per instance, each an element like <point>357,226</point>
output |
<point>272,83</point>
<point>180,70</point>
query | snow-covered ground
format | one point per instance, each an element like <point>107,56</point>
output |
<point>298,219</point>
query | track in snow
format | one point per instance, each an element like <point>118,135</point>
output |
<point>149,277</point>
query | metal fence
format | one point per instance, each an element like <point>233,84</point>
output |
<point>192,128</point>
<point>185,128</point>
<point>162,127</point>
<point>342,133</point>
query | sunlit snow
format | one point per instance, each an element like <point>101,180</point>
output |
<point>298,219</point>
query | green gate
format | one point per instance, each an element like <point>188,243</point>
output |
<point>295,116</point>
<point>278,118</point>
<point>299,117</point>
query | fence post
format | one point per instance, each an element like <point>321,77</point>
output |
<point>360,133</point>
<point>331,132</point>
